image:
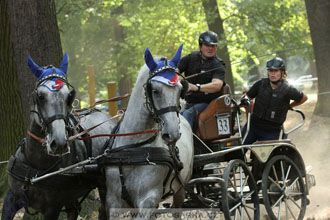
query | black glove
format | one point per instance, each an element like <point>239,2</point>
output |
<point>245,101</point>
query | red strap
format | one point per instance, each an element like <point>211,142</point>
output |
<point>111,100</point>
<point>125,134</point>
<point>35,137</point>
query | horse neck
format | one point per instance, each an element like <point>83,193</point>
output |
<point>137,117</point>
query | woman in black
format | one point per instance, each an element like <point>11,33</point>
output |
<point>272,102</point>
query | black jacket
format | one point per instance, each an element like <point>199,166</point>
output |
<point>192,64</point>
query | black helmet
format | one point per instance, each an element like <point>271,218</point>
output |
<point>275,63</point>
<point>208,37</point>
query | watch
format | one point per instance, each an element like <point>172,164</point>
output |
<point>199,87</point>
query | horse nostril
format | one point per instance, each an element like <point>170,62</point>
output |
<point>53,146</point>
<point>166,137</point>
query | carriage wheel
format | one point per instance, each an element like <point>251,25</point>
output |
<point>283,189</point>
<point>239,193</point>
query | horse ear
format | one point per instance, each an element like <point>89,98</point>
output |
<point>64,64</point>
<point>36,70</point>
<point>175,60</point>
<point>151,63</point>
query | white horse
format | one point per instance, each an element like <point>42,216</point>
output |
<point>154,103</point>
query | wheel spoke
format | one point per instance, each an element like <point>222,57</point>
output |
<point>241,180</point>
<point>274,193</point>
<point>250,207</point>
<point>282,172</point>
<point>279,210</point>
<point>242,213</point>
<point>273,181</point>
<point>294,182</point>
<point>275,204</point>
<point>287,174</point>
<point>295,194</point>
<point>275,173</point>
<point>286,210</point>
<point>236,213</point>
<point>247,213</point>
<point>247,195</point>
<point>234,187</point>
<point>294,202</point>
<point>230,196</point>
<point>291,212</point>
<point>235,206</point>
<point>245,181</point>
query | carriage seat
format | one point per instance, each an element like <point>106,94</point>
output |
<point>215,121</point>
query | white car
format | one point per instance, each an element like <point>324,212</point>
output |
<point>304,82</point>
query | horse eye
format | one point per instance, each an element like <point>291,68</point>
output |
<point>41,98</point>
<point>154,91</point>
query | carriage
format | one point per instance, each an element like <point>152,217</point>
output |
<point>236,178</point>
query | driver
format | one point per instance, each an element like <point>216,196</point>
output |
<point>204,87</point>
<point>272,102</point>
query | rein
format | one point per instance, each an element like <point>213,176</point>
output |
<point>78,136</point>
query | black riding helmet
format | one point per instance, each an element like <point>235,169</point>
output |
<point>208,37</point>
<point>275,63</point>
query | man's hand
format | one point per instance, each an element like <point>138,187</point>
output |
<point>192,87</point>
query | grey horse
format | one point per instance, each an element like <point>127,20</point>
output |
<point>47,149</point>
<point>154,103</point>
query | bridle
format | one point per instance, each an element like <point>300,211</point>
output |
<point>45,122</point>
<point>148,94</point>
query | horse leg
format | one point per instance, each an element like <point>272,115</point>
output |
<point>102,211</point>
<point>178,199</point>
<point>14,201</point>
<point>72,211</point>
<point>113,200</point>
<point>52,213</point>
<point>147,204</point>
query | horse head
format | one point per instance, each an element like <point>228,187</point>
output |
<point>53,100</point>
<point>163,91</point>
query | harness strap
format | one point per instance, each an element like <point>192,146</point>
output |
<point>110,100</point>
<point>41,140</point>
<point>149,140</point>
<point>172,108</point>
<point>53,118</point>
<point>124,193</point>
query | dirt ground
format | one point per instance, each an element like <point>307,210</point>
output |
<point>313,141</point>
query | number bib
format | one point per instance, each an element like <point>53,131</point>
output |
<point>223,124</point>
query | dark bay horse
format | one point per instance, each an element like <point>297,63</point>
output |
<point>47,149</point>
<point>138,174</point>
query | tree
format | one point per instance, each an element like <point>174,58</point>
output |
<point>11,117</point>
<point>125,81</point>
<point>319,23</point>
<point>215,24</point>
<point>27,28</point>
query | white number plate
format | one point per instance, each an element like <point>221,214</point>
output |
<point>223,124</point>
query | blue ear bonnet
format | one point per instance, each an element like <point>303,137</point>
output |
<point>170,64</point>
<point>50,71</point>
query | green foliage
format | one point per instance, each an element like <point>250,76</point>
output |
<point>265,28</point>
<point>257,29</point>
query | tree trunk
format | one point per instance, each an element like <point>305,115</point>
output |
<point>27,28</point>
<point>12,128</point>
<point>215,24</point>
<point>318,13</point>
<point>34,32</point>
<point>125,82</point>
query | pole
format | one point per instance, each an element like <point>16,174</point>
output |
<point>91,85</point>
<point>112,92</point>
